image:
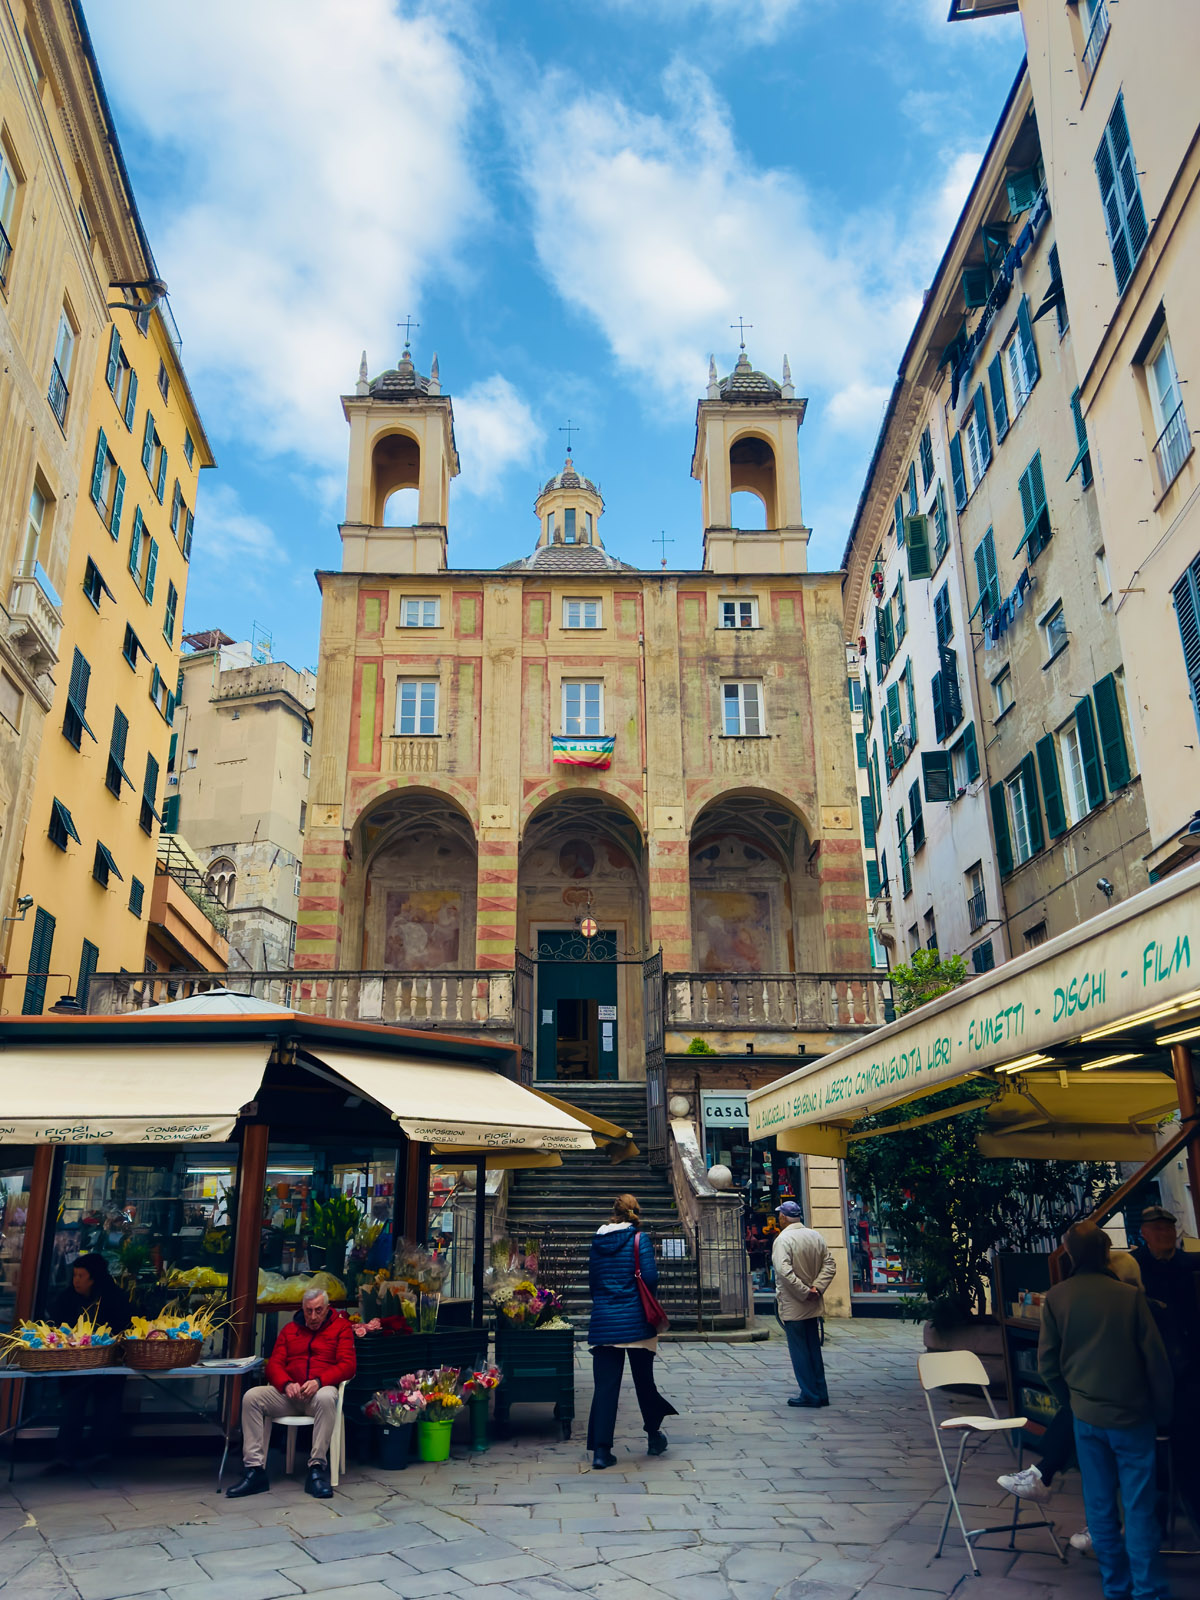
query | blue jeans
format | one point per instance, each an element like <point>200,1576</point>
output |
<point>804,1347</point>
<point>1112,1458</point>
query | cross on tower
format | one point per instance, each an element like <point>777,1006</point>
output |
<point>741,328</point>
<point>664,541</point>
<point>569,430</point>
<point>408,325</point>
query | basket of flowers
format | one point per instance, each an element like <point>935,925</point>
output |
<point>50,1347</point>
<point>169,1340</point>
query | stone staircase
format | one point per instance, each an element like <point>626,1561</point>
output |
<point>563,1206</point>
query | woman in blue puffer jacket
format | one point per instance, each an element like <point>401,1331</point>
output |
<point>619,1324</point>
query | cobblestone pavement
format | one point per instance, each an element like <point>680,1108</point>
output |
<point>754,1501</point>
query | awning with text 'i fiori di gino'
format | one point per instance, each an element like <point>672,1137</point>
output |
<point>448,1105</point>
<point>127,1093</point>
<point>1073,1038</point>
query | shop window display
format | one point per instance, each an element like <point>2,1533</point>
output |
<point>876,1265</point>
<point>326,1210</point>
<point>15,1181</point>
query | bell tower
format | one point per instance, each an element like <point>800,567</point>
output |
<point>746,429</point>
<point>401,437</point>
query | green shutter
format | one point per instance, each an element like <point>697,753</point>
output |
<point>1112,734</point>
<point>872,878</point>
<point>957,473</point>
<point>170,815</point>
<point>916,533</point>
<point>1023,190</point>
<point>151,569</point>
<point>981,428</point>
<point>860,743</point>
<point>98,466</point>
<point>937,773</point>
<point>171,753</point>
<point>1092,776</point>
<point>88,961</point>
<point>999,399</point>
<point>1081,441</point>
<point>131,399</point>
<point>876,786</point>
<point>1047,760</point>
<point>1028,347</point>
<point>939,712</point>
<point>898,511</point>
<point>39,964</point>
<point>912,488</point>
<point>1032,489</point>
<point>1120,196</point>
<point>912,702</point>
<point>148,441</point>
<point>868,822</point>
<point>1004,855</point>
<point>970,752</point>
<point>917,814</point>
<point>976,286</point>
<point>135,544</point>
<point>161,487</point>
<point>1033,809</point>
<point>114,361</point>
<point>187,537</point>
<point>114,526</point>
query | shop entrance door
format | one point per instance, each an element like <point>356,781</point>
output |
<point>576,1005</point>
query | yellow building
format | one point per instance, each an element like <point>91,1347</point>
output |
<point>1116,85</point>
<point>90,863</point>
<point>68,228</point>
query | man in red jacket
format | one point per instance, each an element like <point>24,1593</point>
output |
<point>313,1354</point>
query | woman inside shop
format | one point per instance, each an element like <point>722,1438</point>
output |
<point>92,1293</point>
<point>619,1324</point>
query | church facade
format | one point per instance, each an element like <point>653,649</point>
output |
<point>562,766</point>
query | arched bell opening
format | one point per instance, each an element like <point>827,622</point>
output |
<point>752,469</point>
<point>395,464</point>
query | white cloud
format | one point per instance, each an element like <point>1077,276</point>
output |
<point>495,430</point>
<point>232,538</point>
<point>753,19</point>
<point>663,231</point>
<point>318,163</point>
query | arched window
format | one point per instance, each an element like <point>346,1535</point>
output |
<point>221,880</point>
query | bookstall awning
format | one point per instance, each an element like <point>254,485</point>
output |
<point>1074,1038</point>
<point>450,1105</point>
<point>126,1093</point>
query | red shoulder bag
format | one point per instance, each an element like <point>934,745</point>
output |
<point>655,1315</point>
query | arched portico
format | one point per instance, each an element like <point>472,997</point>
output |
<point>412,893</point>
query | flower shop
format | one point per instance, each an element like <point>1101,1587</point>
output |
<point>222,1155</point>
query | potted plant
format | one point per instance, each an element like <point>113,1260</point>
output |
<point>394,1412</point>
<point>441,1393</point>
<point>476,1390</point>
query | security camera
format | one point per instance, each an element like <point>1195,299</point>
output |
<point>24,903</point>
<point>1105,887</point>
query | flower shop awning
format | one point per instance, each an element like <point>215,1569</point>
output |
<point>1076,1036</point>
<point>126,1093</point>
<point>448,1105</point>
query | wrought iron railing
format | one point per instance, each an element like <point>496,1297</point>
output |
<point>5,254</point>
<point>977,909</point>
<point>58,393</point>
<point>1172,447</point>
<point>1097,34</point>
<point>777,1000</point>
<point>459,1001</point>
<point>177,865</point>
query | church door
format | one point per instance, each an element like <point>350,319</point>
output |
<point>576,1005</point>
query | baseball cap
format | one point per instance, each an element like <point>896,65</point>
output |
<point>789,1208</point>
<point>1157,1214</point>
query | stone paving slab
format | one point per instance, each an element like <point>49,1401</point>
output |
<point>752,1502</point>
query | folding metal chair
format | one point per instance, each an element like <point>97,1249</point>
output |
<point>938,1370</point>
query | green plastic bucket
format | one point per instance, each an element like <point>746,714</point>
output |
<point>433,1440</point>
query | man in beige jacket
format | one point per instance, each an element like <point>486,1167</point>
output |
<point>804,1269</point>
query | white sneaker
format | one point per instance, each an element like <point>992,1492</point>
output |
<point>1081,1541</point>
<point>1026,1485</point>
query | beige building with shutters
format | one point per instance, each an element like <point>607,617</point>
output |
<point>1117,84</point>
<point>1017,617</point>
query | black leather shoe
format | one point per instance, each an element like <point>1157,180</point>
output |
<point>602,1459</point>
<point>803,1400</point>
<point>656,1443</point>
<point>317,1483</point>
<point>254,1482</point>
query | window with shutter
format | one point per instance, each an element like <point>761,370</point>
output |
<point>976,286</point>
<point>151,569</point>
<point>136,892</point>
<point>936,771</point>
<point>149,812</point>
<point>898,512</point>
<point>1047,762</point>
<point>131,400</point>
<point>1083,458</point>
<point>943,621</point>
<point>75,723</point>
<point>860,748</point>
<point>1089,752</point>
<point>868,822</point>
<point>135,545</point>
<point>941,523</point>
<point>951,694</point>
<point>88,961</point>
<point>876,786</point>
<point>982,430</point>
<point>983,958</point>
<point>1004,855</point>
<point>970,754</point>
<point>187,536</point>
<point>170,814</point>
<point>926,459</point>
<point>1186,595</point>
<point>916,535</point>
<point>1120,196</point>
<point>39,964</point>
<point>905,868</point>
<point>169,619</point>
<point>986,576</point>
<point>176,502</point>
<point>148,441</point>
<point>939,714</point>
<point>114,520</point>
<point>900,611</point>
<point>957,473</point>
<point>1034,510</point>
<point>160,487</point>
<point>917,814</point>
<point>999,399</point>
<point>1028,346</point>
<point>114,361</point>
<point>872,880</point>
<point>1112,732</point>
<point>116,773</point>
<point>906,677</point>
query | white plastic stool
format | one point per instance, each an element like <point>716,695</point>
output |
<point>337,1452</point>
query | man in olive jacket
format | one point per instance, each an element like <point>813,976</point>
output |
<point>804,1268</point>
<point>1100,1350</point>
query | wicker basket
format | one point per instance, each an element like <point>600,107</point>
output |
<point>159,1355</point>
<point>65,1360</point>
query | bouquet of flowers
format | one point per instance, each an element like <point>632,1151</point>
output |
<point>424,1271</point>
<point>530,1307</point>
<point>384,1300</point>
<point>481,1382</point>
<point>440,1390</point>
<point>62,1336</point>
<point>395,1408</point>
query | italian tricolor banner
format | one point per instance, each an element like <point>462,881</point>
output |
<point>569,752</point>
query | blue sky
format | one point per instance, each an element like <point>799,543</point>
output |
<point>574,201</point>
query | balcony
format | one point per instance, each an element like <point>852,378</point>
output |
<point>462,1002</point>
<point>1095,40</point>
<point>776,1001</point>
<point>1172,448</point>
<point>178,863</point>
<point>58,395</point>
<point>5,255</point>
<point>977,910</point>
<point>36,620</point>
